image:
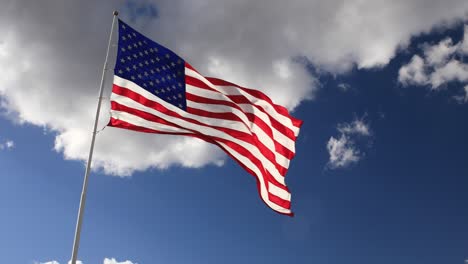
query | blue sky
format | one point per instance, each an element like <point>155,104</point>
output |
<point>396,192</point>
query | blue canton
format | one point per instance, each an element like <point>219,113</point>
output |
<point>151,66</point>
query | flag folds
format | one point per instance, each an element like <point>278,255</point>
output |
<point>156,91</point>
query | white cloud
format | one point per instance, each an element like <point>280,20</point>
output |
<point>454,70</point>
<point>358,126</point>
<point>51,60</point>
<point>344,87</point>
<point>462,98</point>
<point>464,43</point>
<point>439,65</point>
<point>343,150</point>
<point>7,144</point>
<point>113,261</point>
<point>413,72</point>
<point>77,262</point>
<point>440,53</point>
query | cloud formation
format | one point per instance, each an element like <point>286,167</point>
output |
<point>52,54</point>
<point>7,144</point>
<point>113,261</point>
<point>438,65</point>
<point>343,150</point>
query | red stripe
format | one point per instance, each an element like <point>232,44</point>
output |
<point>238,148</point>
<point>122,124</point>
<point>251,139</point>
<point>256,93</point>
<point>239,99</point>
<point>232,117</point>
<point>229,116</point>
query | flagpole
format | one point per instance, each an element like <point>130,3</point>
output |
<point>76,240</point>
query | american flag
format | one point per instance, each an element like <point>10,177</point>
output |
<point>156,91</point>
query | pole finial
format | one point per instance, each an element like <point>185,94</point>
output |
<point>116,13</point>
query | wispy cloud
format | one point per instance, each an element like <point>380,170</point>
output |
<point>344,87</point>
<point>464,97</point>
<point>343,150</point>
<point>358,126</point>
<point>7,144</point>
<point>113,261</point>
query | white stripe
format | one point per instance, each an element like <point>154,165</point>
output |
<point>263,191</point>
<point>283,194</point>
<point>282,139</point>
<point>206,130</point>
<point>261,135</point>
<point>284,120</point>
<point>277,135</point>
<point>207,120</point>
<point>138,121</point>
<point>229,90</point>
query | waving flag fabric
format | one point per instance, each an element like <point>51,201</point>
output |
<point>156,91</point>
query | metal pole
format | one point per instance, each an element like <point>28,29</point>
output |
<point>76,241</point>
